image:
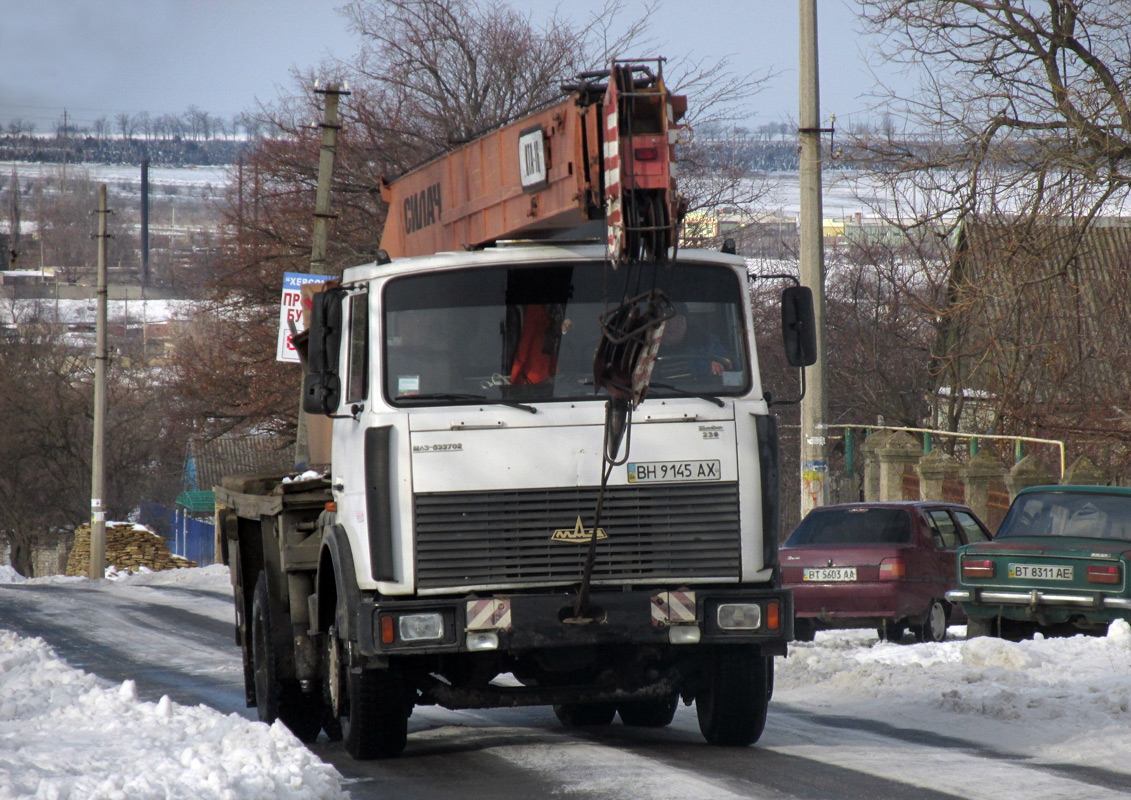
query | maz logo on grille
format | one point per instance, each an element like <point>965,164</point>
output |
<point>578,533</point>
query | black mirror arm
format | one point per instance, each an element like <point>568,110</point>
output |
<point>789,401</point>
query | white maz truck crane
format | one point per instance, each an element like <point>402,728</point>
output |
<point>552,471</point>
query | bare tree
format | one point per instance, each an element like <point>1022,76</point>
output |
<point>125,125</point>
<point>46,398</point>
<point>66,226</point>
<point>1015,142</point>
<point>144,123</point>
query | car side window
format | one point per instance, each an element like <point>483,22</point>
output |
<point>946,534</point>
<point>970,527</point>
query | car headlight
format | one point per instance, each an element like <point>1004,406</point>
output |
<point>420,627</point>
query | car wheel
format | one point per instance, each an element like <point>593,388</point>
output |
<point>649,713</point>
<point>732,708</point>
<point>576,715</point>
<point>977,626</point>
<point>891,632</point>
<point>934,626</point>
<point>275,697</point>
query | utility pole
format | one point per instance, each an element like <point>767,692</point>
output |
<point>322,214</point>
<point>98,457</point>
<point>66,145</point>
<point>814,406</point>
<point>322,217</point>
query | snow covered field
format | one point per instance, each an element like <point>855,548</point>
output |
<point>181,177</point>
<point>989,704</point>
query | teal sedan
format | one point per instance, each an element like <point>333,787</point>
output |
<point>1058,565</point>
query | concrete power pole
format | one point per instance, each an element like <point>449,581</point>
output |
<point>98,457</point>
<point>322,214</point>
<point>322,217</point>
<point>814,407</point>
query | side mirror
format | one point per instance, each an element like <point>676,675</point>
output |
<point>799,326</point>
<point>321,386</point>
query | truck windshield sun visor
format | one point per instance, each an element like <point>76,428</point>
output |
<point>518,335</point>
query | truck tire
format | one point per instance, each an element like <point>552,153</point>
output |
<point>732,707</point>
<point>377,719</point>
<point>649,713</point>
<point>276,698</point>
<point>576,715</point>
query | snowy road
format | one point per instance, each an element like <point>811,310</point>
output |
<point>851,718</point>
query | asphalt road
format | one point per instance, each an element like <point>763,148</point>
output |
<point>179,642</point>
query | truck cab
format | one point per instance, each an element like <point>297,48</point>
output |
<point>467,459</point>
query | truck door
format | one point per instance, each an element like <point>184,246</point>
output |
<point>348,469</point>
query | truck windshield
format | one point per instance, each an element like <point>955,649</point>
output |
<point>530,333</point>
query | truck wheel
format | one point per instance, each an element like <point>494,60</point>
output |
<point>732,709</point>
<point>333,684</point>
<point>276,698</point>
<point>377,720</point>
<point>576,715</point>
<point>649,713</point>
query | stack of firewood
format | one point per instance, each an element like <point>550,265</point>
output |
<point>128,548</point>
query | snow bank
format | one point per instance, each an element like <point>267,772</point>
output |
<point>1066,699</point>
<point>63,736</point>
<point>9,575</point>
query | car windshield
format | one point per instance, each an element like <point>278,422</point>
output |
<point>530,333</point>
<point>836,526</point>
<point>1081,514</point>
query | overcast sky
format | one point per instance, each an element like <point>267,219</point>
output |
<point>104,58</point>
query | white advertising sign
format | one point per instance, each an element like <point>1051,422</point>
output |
<point>292,309</point>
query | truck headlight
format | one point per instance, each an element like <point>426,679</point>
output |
<point>739,616</point>
<point>420,627</point>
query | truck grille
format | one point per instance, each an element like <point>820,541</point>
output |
<point>504,539</point>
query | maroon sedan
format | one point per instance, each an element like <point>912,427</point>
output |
<point>886,566</point>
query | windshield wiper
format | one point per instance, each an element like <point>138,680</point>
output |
<point>475,398</point>
<point>685,393</point>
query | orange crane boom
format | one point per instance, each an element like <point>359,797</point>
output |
<point>602,153</point>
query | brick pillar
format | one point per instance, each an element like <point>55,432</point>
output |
<point>870,452</point>
<point>899,452</point>
<point>979,472</point>
<point>934,468</point>
<point>1025,473</point>
<point>1084,472</point>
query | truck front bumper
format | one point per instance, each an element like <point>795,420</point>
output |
<point>516,623</point>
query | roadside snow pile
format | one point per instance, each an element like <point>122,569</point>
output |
<point>9,575</point>
<point>64,736</point>
<point>214,576</point>
<point>1066,698</point>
